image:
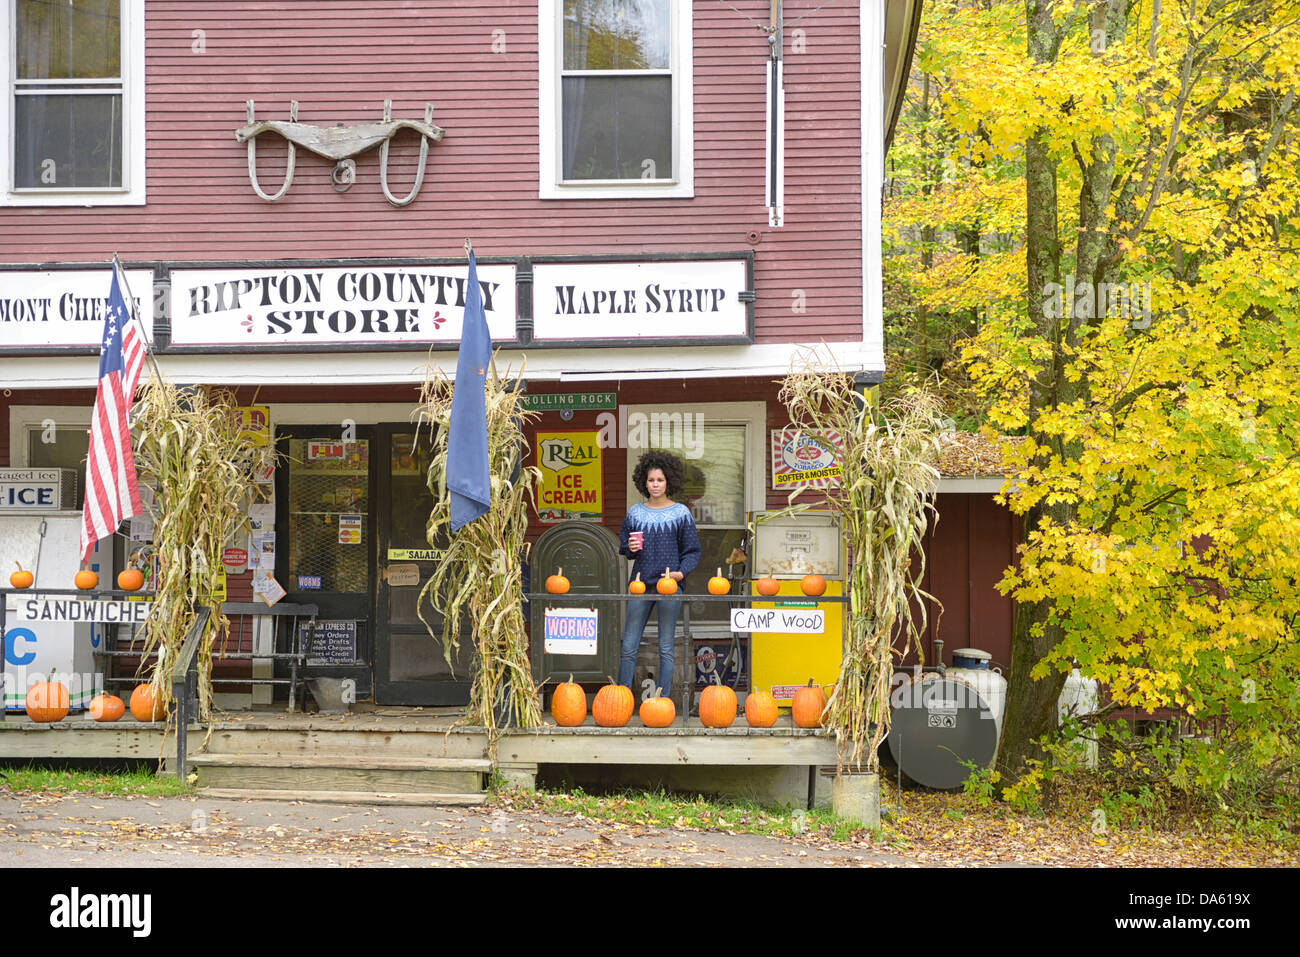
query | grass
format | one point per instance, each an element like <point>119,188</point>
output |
<point>662,809</point>
<point>48,780</point>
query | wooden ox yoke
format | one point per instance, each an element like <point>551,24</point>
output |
<point>339,143</point>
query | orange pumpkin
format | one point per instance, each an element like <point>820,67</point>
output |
<point>658,712</point>
<point>767,586</point>
<point>717,706</point>
<point>666,585</point>
<point>21,578</point>
<point>760,709</point>
<point>636,586</point>
<point>557,584</point>
<point>106,707</point>
<point>813,585</point>
<point>569,704</point>
<point>86,579</point>
<point>145,706</point>
<point>613,706</point>
<point>807,706</point>
<point>130,579</point>
<point>47,700</point>
<point>719,585</point>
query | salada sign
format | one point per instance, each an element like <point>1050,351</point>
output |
<point>302,307</point>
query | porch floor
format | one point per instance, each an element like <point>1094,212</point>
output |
<point>370,749</point>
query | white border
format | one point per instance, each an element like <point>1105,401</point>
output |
<point>752,415</point>
<point>871,18</point>
<point>374,368</point>
<point>132,192</point>
<point>550,33</point>
<point>22,417</point>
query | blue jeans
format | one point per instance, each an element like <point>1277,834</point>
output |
<point>638,614</point>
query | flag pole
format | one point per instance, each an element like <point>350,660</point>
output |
<point>130,302</point>
<point>492,356</point>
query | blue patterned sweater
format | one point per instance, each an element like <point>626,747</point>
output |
<point>670,541</point>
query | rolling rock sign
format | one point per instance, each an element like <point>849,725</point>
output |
<point>302,308</point>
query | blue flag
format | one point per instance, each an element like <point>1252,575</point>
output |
<point>468,480</point>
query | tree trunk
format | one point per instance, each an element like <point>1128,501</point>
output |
<point>1031,704</point>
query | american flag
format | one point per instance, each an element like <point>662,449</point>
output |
<point>111,492</point>
<point>133,344</point>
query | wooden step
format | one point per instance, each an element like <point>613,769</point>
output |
<point>340,760</point>
<point>412,798</point>
<point>379,742</point>
<point>341,772</point>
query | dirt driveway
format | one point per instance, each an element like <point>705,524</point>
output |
<point>47,830</point>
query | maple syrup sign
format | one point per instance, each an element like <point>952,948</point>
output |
<point>303,307</point>
<point>668,300</point>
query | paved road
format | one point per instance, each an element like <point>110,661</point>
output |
<point>44,831</point>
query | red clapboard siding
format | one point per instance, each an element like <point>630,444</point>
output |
<point>341,60</point>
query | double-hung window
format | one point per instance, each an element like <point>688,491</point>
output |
<point>74,103</point>
<point>616,91</point>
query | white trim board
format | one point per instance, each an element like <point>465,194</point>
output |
<point>981,485</point>
<point>871,36</point>
<point>383,368</point>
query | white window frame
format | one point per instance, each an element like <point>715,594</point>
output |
<point>131,192</point>
<point>680,183</point>
<point>752,415</point>
<point>26,419</point>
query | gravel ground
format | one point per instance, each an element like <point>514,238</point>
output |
<point>47,830</point>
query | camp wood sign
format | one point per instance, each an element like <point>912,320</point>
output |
<point>785,621</point>
<point>83,610</point>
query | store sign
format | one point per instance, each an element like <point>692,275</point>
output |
<point>77,610</point>
<point>570,631</point>
<point>255,425</point>
<point>568,401</point>
<point>641,300</point>
<point>325,451</point>
<point>572,480</point>
<point>34,489</point>
<point>800,460</point>
<point>416,554</point>
<point>318,306</point>
<point>332,642</point>
<point>778,621</point>
<point>64,307</point>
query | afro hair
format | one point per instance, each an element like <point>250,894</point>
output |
<point>672,467</point>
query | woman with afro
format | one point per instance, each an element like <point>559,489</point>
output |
<point>659,536</point>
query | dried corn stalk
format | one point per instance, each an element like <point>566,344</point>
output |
<point>885,502</point>
<point>190,448</point>
<point>480,579</point>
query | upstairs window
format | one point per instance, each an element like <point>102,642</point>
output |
<point>75,104</point>
<point>615,98</point>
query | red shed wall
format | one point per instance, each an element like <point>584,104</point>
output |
<point>341,60</point>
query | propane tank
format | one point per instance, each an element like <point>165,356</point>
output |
<point>1078,698</point>
<point>973,669</point>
